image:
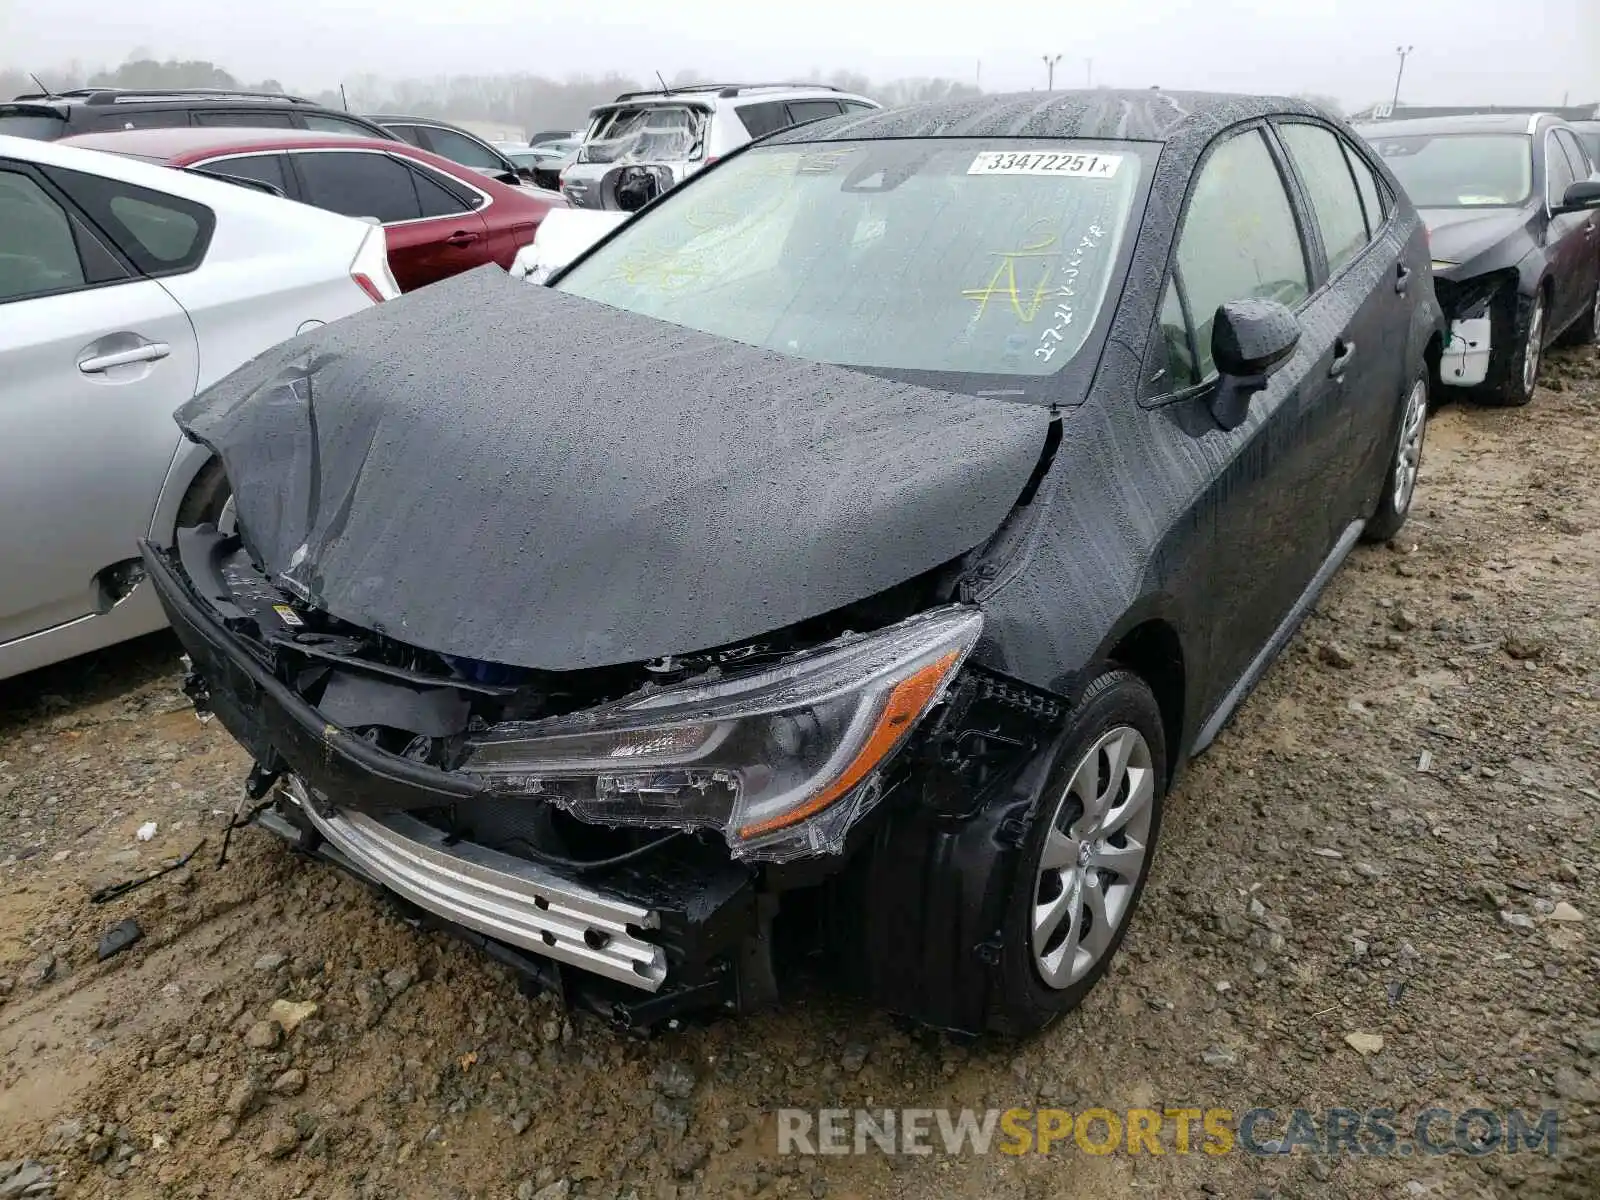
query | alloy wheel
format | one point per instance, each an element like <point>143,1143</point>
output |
<point>1530,355</point>
<point>1093,857</point>
<point>1408,459</point>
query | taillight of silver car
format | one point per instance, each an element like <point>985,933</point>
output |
<point>370,269</point>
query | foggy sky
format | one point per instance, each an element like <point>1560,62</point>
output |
<point>1483,51</point>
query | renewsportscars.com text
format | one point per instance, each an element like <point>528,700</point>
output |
<point>1378,1132</point>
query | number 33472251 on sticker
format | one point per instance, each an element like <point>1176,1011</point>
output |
<point>1045,162</point>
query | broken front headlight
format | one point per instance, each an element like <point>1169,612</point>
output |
<point>781,761</point>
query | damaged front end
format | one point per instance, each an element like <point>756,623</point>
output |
<point>619,675</point>
<point>1482,313</point>
<point>623,833</point>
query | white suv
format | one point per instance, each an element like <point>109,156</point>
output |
<point>645,143</point>
<point>125,288</point>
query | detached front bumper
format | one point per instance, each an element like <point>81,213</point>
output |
<point>645,944</point>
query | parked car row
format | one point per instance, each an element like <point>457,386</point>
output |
<point>902,504</point>
<point>440,217</point>
<point>49,116</point>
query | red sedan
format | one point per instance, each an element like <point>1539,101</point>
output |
<point>440,217</point>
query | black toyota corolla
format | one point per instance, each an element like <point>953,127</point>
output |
<point>900,505</point>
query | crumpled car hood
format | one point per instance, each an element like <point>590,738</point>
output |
<point>1460,235</point>
<point>517,475</point>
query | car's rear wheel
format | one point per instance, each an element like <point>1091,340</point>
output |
<point>1086,857</point>
<point>1400,483</point>
<point>1517,374</point>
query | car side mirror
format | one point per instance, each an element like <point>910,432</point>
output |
<point>1580,197</point>
<point>1250,340</point>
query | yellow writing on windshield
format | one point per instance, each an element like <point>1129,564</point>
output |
<point>1009,283</point>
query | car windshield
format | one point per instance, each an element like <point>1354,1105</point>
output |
<point>1461,170</point>
<point>956,256</point>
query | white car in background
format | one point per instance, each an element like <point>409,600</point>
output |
<point>125,288</point>
<point>564,234</point>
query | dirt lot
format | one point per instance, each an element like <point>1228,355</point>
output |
<point>1400,835</point>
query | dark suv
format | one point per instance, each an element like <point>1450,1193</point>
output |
<point>48,116</point>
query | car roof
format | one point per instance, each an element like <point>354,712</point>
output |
<point>186,141</point>
<point>1106,114</point>
<point>1523,123</point>
<point>124,97</point>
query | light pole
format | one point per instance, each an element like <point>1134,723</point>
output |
<point>1050,62</point>
<point>1402,51</point>
<point>1088,72</point>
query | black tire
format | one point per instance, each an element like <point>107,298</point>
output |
<point>1506,386</point>
<point>206,497</point>
<point>1021,1001</point>
<point>1394,501</point>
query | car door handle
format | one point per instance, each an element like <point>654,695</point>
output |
<point>1402,279</point>
<point>1343,352</point>
<point>461,237</point>
<point>149,352</point>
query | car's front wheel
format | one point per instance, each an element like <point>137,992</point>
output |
<point>1086,856</point>
<point>1517,373</point>
<point>1400,483</point>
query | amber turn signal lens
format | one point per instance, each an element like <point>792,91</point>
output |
<point>906,703</point>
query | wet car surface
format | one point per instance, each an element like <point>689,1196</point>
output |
<point>780,614</point>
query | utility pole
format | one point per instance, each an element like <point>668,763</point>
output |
<point>1050,62</point>
<point>1088,72</point>
<point>977,80</point>
<point>1402,51</point>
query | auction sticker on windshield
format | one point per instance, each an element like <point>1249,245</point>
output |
<point>1041,162</point>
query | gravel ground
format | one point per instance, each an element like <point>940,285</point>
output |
<point>1399,836</point>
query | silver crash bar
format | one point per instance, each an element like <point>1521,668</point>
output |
<point>498,895</point>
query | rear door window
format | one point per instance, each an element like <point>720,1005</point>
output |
<point>1326,174</point>
<point>244,118</point>
<point>801,111</point>
<point>161,234</point>
<point>263,168</point>
<point>461,149</point>
<point>358,184</point>
<point>764,118</point>
<point>324,123</point>
<point>407,133</point>
<point>434,197</point>
<point>38,256</point>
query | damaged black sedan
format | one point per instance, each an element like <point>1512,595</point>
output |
<point>901,504</point>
